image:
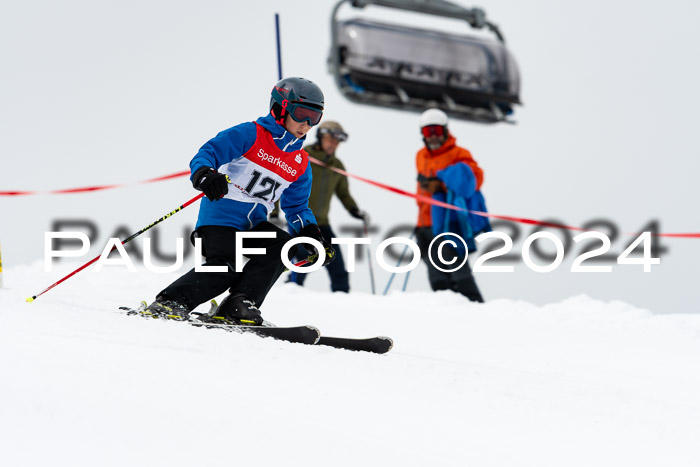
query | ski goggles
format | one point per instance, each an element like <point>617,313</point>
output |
<point>303,113</point>
<point>336,134</point>
<point>433,130</point>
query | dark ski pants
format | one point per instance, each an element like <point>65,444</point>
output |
<point>461,280</point>
<point>340,282</point>
<point>219,248</point>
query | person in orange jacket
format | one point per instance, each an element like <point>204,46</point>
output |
<point>448,173</point>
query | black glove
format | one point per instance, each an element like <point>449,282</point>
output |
<point>212,183</point>
<point>430,184</point>
<point>275,214</point>
<point>357,214</point>
<point>312,231</point>
<point>423,179</point>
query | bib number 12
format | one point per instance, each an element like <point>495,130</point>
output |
<point>268,187</point>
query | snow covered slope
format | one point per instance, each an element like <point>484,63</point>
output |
<point>507,383</point>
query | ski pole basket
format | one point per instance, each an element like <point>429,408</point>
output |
<point>469,77</point>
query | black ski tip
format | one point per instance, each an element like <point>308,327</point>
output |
<point>388,343</point>
<point>378,345</point>
<point>382,344</point>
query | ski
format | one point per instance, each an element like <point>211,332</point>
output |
<point>379,344</point>
<point>308,335</point>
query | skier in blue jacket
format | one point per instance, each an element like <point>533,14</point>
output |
<point>243,171</point>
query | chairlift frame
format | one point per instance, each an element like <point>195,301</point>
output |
<point>474,17</point>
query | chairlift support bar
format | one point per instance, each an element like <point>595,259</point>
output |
<point>474,17</point>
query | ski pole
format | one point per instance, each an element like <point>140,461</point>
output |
<point>310,259</point>
<point>405,281</point>
<point>34,297</point>
<point>369,257</point>
<point>408,273</point>
<point>391,278</point>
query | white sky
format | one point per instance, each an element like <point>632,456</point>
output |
<point>104,92</point>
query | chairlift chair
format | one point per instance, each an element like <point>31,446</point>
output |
<point>408,68</point>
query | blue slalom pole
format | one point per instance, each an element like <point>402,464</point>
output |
<point>279,47</point>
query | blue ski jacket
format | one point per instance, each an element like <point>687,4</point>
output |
<point>461,192</point>
<point>265,163</point>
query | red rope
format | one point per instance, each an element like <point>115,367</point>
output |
<point>521,220</point>
<point>92,188</point>
<point>425,199</point>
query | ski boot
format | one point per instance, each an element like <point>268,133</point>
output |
<point>168,309</point>
<point>239,309</point>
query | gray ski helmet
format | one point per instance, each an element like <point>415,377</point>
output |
<point>332,128</point>
<point>297,90</point>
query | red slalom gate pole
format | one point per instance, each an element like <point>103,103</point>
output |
<point>175,211</point>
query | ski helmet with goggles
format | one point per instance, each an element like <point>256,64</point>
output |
<point>433,122</point>
<point>433,117</point>
<point>298,97</point>
<point>333,129</point>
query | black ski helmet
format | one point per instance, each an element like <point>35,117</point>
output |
<point>295,90</point>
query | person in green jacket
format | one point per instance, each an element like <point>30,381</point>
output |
<point>327,183</point>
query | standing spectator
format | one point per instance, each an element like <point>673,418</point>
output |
<point>327,183</point>
<point>448,173</point>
